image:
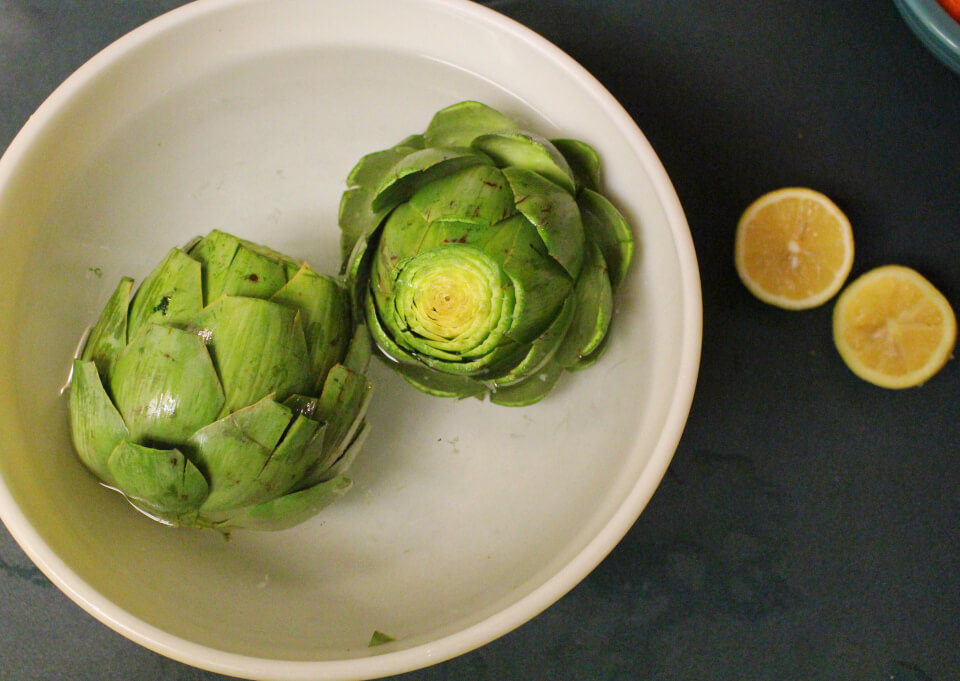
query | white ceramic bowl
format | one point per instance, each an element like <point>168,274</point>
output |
<point>466,519</point>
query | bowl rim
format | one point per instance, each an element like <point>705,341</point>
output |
<point>517,612</point>
<point>935,28</point>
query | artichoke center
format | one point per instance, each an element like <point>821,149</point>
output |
<point>447,303</point>
<point>452,297</point>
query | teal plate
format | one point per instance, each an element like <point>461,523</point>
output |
<point>938,31</point>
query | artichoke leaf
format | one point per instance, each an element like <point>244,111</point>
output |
<point>289,510</point>
<point>356,274</point>
<point>161,482</point>
<point>461,123</point>
<point>583,160</point>
<point>448,231</point>
<point>292,458</point>
<point>356,216</point>
<point>594,309</point>
<point>305,405</point>
<point>401,239</point>
<point>484,367</point>
<point>412,143</point>
<point>541,350</point>
<point>325,311</point>
<point>555,214</point>
<point>109,334</point>
<point>420,169</point>
<point>531,389</point>
<point>607,226</point>
<point>171,295</point>
<point>389,348</point>
<point>215,252</point>
<point>313,450</point>
<point>96,425</point>
<point>478,194</point>
<point>263,422</point>
<point>350,452</point>
<point>441,384</point>
<point>250,273</point>
<point>588,361</point>
<point>359,351</point>
<point>357,220</point>
<point>529,151</point>
<point>540,283</point>
<point>165,385</point>
<point>258,347</point>
<point>188,246</point>
<point>270,254</point>
<point>232,451</point>
<point>372,168</point>
<point>343,404</point>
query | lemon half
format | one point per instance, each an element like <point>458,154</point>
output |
<point>893,328</point>
<point>794,248</point>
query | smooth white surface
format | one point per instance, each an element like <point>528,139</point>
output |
<point>466,519</point>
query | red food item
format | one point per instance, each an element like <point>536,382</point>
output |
<point>952,7</point>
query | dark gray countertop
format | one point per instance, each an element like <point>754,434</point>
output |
<point>809,528</point>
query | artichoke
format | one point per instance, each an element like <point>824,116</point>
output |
<point>230,392</point>
<point>483,257</point>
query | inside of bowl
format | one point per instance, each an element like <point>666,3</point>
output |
<point>460,509</point>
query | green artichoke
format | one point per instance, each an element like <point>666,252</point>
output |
<point>230,392</point>
<point>482,256</point>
